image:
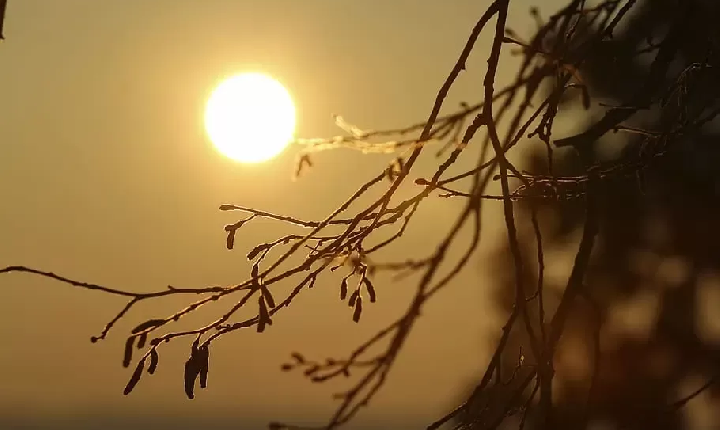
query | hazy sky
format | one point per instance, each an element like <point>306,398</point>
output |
<point>107,176</point>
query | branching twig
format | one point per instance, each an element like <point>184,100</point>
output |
<point>346,240</point>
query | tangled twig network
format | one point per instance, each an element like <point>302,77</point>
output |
<point>523,112</point>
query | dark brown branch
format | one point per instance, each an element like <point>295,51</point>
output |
<point>3,7</point>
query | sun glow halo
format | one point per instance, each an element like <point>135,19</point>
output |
<point>250,117</point>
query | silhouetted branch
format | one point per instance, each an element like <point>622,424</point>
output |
<point>3,7</point>
<point>553,69</point>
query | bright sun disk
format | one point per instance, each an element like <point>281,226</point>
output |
<point>250,117</point>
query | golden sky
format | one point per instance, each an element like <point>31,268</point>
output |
<point>107,176</point>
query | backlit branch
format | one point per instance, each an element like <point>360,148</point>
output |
<point>515,116</point>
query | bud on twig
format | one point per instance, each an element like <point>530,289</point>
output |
<point>370,289</point>
<point>135,378</point>
<point>343,289</point>
<point>154,358</point>
<point>127,358</point>
<point>358,309</point>
<point>353,298</point>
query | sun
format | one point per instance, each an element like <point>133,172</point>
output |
<point>250,117</point>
